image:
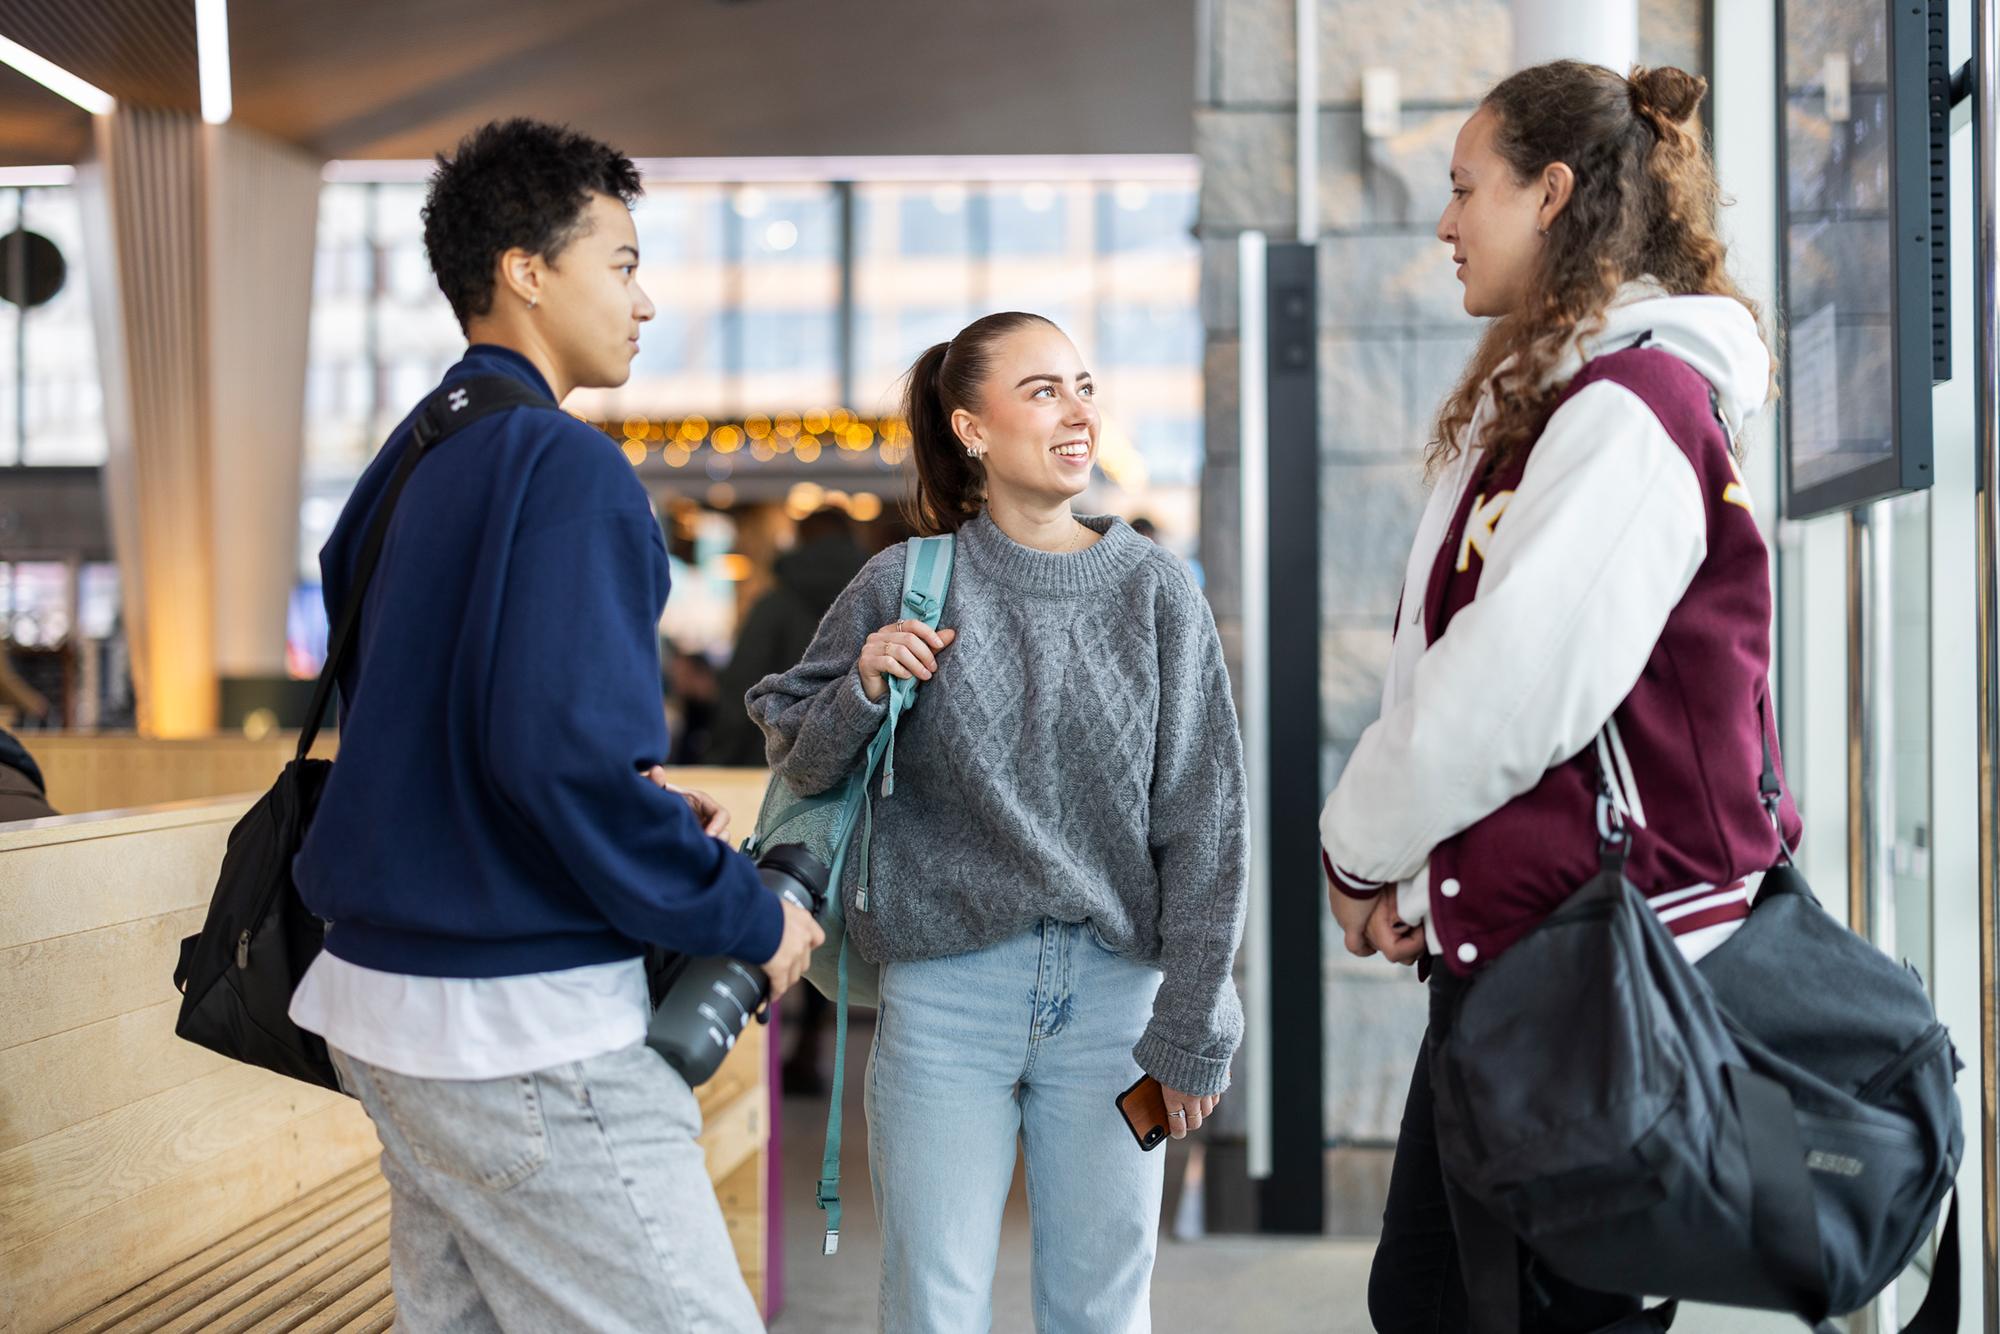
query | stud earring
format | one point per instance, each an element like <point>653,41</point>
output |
<point>531,303</point>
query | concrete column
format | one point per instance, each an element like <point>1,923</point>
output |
<point>142,195</point>
<point>1603,32</point>
<point>1393,339</point>
<point>263,206</point>
<point>201,243</point>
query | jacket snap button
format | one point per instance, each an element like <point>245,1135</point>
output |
<point>1468,952</point>
<point>1449,889</point>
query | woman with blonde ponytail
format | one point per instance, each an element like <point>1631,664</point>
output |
<point>1057,881</point>
<point>1585,625</point>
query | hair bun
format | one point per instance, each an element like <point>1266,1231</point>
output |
<point>1667,94</point>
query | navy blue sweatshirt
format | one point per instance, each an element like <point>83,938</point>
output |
<point>489,814</point>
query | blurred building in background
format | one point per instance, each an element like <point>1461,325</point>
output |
<point>792,297</point>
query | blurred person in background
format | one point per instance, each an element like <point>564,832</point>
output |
<point>780,626</point>
<point>692,706</point>
<point>775,635</point>
<point>23,794</point>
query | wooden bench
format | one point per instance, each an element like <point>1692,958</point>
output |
<point>101,771</point>
<point>147,1184</point>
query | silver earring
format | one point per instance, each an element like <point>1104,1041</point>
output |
<point>531,303</point>
<point>971,453</point>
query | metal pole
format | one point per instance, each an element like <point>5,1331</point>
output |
<point>843,192</point>
<point>1986,395</point>
<point>1307,16</point>
<point>1253,437</point>
<point>1860,808</point>
<point>17,262</point>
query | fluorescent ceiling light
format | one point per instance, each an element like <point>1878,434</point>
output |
<point>1165,169</point>
<point>30,177</point>
<point>211,37</point>
<point>55,78</point>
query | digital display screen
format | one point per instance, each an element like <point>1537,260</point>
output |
<point>1839,372</point>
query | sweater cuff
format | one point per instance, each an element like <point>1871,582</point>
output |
<point>1353,886</point>
<point>764,932</point>
<point>1181,1070</point>
<point>854,711</point>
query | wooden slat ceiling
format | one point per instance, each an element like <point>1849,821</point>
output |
<point>659,78</point>
<point>138,49</point>
<point>36,126</point>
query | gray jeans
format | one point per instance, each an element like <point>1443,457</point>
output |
<point>573,1198</point>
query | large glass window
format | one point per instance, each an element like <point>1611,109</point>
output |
<point>756,315</point>
<point>787,314</point>
<point>51,401</point>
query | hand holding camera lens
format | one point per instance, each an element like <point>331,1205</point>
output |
<point>802,936</point>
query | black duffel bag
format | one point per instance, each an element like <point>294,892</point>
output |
<point>1775,1127</point>
<point>237,976</point>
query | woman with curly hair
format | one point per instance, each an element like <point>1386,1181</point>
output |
<point>1586,608</point>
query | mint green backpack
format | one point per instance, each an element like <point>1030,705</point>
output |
<point>828,825</point>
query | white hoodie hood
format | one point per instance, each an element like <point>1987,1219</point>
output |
<point>1716,335</point>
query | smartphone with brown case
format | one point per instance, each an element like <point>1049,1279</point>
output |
<point>1144,1108</point>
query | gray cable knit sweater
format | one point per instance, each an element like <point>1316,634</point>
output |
<point>1075,757</point>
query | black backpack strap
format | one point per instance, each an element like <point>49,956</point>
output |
<point>450,409</point>
<point>1939,1313</point>
<point>1782,1218</point>
<point>1770,791</point>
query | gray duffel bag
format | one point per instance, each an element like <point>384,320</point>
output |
<point>1773,1128</point>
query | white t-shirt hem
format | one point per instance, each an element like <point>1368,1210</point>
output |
<point>473,1028</point>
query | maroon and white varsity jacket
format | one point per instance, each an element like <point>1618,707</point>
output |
<point>1601,604</point>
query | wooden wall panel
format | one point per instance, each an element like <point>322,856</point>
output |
<point>86,873</point>
<point>53,985</point>
<point>111,772</point>
<point>124,1150</point>
<point>96,1163</point>
<point>741,1195</point>
<point>60,1274</point>
<point>58,1081</point>
<point>119,771</point>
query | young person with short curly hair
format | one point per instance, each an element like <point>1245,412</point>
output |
<point>495,847</point>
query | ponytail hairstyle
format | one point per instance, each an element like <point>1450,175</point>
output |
<point>951,484</point>
<point>1643,207</point>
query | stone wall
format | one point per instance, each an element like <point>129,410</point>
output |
<point>1393,339</point>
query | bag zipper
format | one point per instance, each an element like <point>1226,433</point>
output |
<point>1889,1075</point>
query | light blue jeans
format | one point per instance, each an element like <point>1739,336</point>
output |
<point>573,1198</point>
<point>1031,1037</point>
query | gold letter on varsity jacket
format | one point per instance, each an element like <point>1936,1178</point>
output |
<point>1479,527</point>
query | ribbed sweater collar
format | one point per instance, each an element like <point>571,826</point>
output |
<point>1053,573</point>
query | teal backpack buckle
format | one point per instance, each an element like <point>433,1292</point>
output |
<point>827,1196</point>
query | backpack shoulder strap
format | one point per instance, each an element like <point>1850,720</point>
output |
<point>927,563</point>
<point>451,408</point>
<point>927,576</point>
